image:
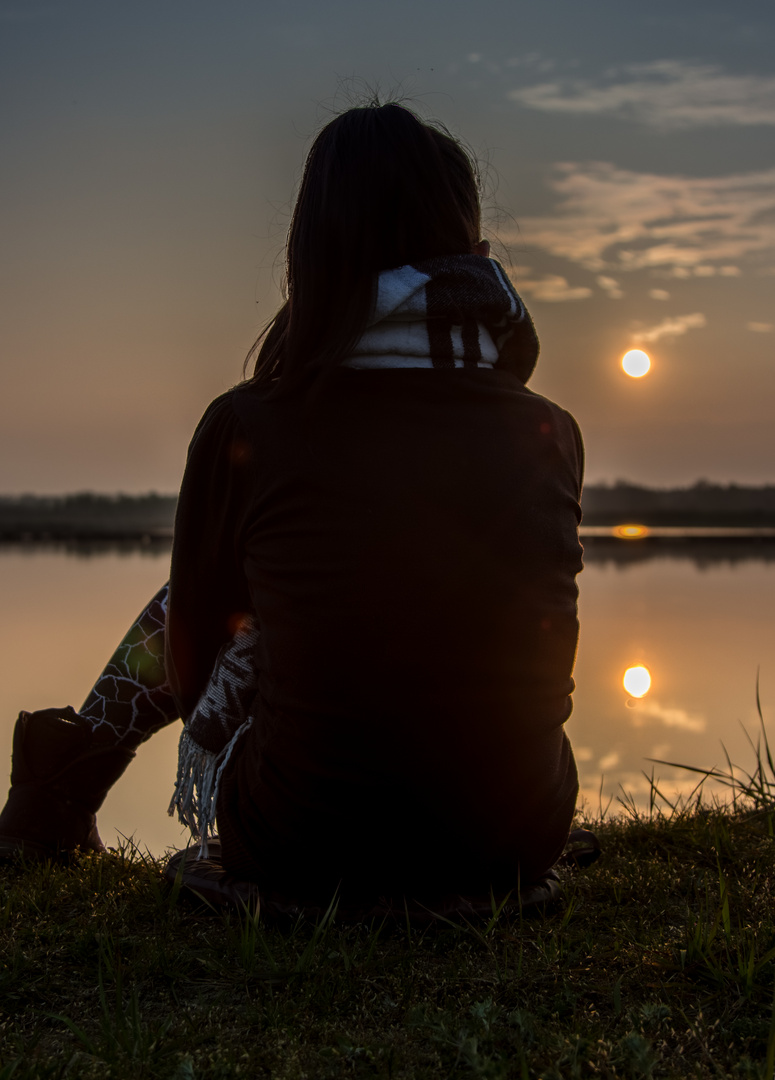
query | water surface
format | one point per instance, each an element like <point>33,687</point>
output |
<point>700,617</point>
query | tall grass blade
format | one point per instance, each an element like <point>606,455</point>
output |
<point>769,1071</point>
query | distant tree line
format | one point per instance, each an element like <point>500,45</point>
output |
<point>86,516</point>
<point>703,503</point>
<point>90,516</point>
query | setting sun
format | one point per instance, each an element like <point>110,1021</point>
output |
<point>637,681</point>
<point>636,363</point>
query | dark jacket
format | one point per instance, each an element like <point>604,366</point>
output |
<point>408,542</point>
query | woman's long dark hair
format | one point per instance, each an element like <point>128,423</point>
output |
<point>380,189</point>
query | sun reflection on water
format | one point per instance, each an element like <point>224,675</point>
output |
<point>637,681</point>
<point>631,532</point>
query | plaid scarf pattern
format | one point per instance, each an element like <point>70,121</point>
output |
<point>454,311</point>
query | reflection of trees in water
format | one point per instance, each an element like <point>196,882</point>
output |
<point>709,551</point>
<point>152,546</point>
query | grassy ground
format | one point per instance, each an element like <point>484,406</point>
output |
<point>660,961</point>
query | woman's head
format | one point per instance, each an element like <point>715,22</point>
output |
<point>380,189</point>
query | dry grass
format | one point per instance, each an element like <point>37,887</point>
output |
<point>659,962</point>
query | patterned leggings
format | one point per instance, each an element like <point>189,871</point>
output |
<point>131,700</point>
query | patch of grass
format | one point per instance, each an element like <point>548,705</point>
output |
<point>659,962</point>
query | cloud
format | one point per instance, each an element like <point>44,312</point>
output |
<point>669,717</point>
<point>610,286</point>
<point>671,327</point>
<point>659,294</point>
<point>760,327</point>
<point>663,93</point>
<point>703,271</point>
<point>551,287</point>
<point>612,219</point>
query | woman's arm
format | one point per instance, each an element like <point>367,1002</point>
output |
<point>208,591</point>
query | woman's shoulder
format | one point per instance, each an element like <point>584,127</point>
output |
<point>236,420</point>
<point>226,410</point>
<point>220,424</point>
<point>217,415</point>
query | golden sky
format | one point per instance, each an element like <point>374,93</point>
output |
<point>151,152</point>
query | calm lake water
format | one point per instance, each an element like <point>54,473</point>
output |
<point>699,616</point>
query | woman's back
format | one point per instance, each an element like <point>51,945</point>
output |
<point>410,548</point>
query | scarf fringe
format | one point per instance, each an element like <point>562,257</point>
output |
<point>197,784</point>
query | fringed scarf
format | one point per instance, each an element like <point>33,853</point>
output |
<point>212,731</point>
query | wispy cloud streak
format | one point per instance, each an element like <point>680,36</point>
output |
<point>669,717</point>
<point>552,287</point>
<point>616,219</point>
<point>663,93</point>
<point>669,328</point>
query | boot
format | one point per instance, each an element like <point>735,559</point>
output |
<point>59,779</point>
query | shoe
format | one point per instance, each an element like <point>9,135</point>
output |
<point>582,849</point>
<point>207,879</point>
<point>59,780</point>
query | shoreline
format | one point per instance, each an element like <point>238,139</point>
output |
<point>606,531</point>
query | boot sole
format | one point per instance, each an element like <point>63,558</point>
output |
<point>11,848</point>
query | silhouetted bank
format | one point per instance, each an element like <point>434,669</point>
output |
<point>87,516</point>
<point>702,504</point>
<point>149,518</point>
